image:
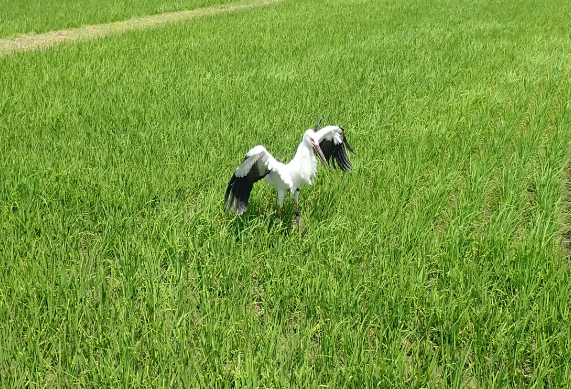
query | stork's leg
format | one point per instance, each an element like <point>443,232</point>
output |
<point>281,195</point>
<point>296,196</point>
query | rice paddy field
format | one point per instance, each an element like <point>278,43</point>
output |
<point>440,261</point>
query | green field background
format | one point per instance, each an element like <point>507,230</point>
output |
<point>439,261</point>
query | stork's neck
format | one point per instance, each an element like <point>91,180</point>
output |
<point>303,166</point>
<point>304,151</point>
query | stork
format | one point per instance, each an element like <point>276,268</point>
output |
<point>328,143</point>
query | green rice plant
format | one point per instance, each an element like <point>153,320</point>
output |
<point>438,262</point>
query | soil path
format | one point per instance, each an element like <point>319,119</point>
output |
<point>41,41</point>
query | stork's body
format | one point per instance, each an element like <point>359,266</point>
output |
<point>301,170</point>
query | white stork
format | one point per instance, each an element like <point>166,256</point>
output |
<point>327,143</point>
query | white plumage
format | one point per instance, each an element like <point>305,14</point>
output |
<point>327,143</point>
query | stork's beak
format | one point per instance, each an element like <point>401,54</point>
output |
<point>319,153</point>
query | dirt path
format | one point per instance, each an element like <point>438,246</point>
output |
<point>41,41</point>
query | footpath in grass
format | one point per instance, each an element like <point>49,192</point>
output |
<point>39,41</point>
<point>36,17</point>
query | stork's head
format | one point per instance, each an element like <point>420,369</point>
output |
<point>309,139</point>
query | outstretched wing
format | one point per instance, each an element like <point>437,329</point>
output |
<point>255,166</point>
<point>333,142</point>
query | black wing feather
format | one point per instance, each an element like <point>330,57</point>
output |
<point>347,143</point>
<point>239,189</point>
<point>330,149</point>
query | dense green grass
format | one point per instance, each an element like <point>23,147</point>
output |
<point>436,263</point>
<point>24,17</point>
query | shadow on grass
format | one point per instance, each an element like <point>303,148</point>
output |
<point>262,221</point>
